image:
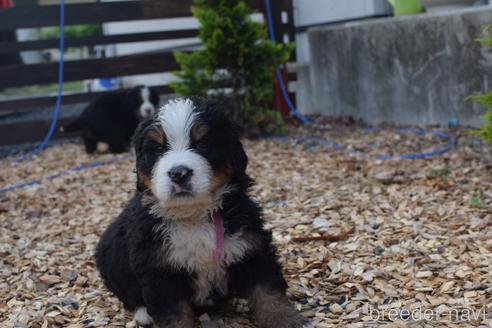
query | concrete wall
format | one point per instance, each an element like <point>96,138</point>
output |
<point>434,3</point>
<point>408,70</point>
<point>314,12</point>
<point>308,13</point>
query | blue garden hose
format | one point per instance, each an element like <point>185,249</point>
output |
<point>280,80</point>
<point>56,112</point>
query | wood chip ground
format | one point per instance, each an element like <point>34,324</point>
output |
<point>359,239</point>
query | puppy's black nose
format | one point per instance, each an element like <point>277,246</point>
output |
<point>180,174</point>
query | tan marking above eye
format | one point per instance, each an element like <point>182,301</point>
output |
<point>198,131</point>
<point>158,135</point>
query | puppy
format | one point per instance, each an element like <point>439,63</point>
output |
<point>113,118</point>
<point>191,236</point>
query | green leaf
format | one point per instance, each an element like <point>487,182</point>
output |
<point>407,7</point>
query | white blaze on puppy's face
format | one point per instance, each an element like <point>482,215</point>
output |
<point>146,109</point>
<point>177,119</point>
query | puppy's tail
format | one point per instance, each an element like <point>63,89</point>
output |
<point>76,125</point>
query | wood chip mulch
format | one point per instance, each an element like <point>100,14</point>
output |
<point>364,243</point>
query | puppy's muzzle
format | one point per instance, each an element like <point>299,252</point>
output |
<point>147,110</point>
<point>180,177</point>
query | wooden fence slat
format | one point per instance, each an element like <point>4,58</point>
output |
<point>22,75</point>
<point>92,13</point>
<point>46,101</point>
<point>23,132</point>
<point>13,47</point>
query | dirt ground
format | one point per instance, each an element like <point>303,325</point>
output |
<point>363,242</point>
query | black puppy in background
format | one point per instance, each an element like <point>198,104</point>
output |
<point>113,118</point>
<point>192,237</point>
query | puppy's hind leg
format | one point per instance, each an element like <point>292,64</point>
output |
<point>117,145</point>
<point>272,309</point>
<point>260,279</point>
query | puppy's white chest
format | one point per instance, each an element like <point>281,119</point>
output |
<point>193,246</point>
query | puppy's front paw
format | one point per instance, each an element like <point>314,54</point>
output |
<point>142,317</point>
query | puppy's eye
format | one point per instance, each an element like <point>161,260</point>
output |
<point>152,146</point>
<point>201,145</point>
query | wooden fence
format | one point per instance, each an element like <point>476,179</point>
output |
<point>76,70</point>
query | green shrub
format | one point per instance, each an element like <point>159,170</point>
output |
<point>237,64</point>
<point>486,99</point>
<point>486,130</point>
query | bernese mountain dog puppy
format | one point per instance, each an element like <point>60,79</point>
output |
<point>191,236</point>
<point>114,117</point>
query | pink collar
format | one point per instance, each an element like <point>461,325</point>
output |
<point>219,237</point>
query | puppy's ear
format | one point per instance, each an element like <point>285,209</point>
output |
<point>154,98</point>
<point>139,136</point>
<point>138,142</point>
<point>132,97</point>
<point>239,159</point>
